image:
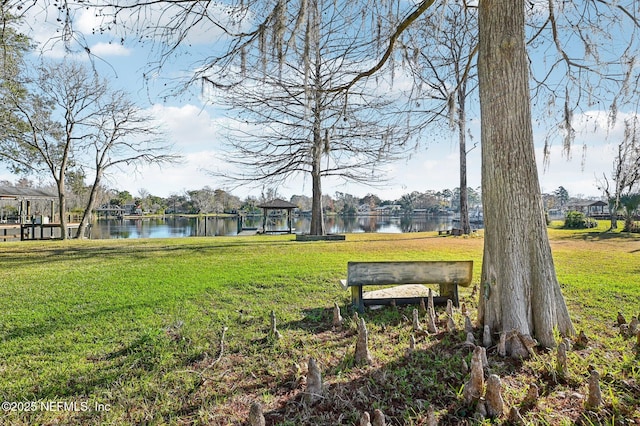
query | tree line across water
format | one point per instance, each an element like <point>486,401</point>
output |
<point>216,201</point>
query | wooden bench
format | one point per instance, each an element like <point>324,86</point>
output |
<point>453,231</point>
<point>448,274</point>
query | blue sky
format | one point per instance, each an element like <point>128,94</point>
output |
<point>193,129</point>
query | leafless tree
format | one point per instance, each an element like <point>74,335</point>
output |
<point>283,128</point>
<point>625,175</point>
<point>445,76</point>
<point>286,119</point>
<point>122,136</point>
<point>48,146</point>
<point>73,121</point>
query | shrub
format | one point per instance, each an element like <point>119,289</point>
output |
<point>577,220</point>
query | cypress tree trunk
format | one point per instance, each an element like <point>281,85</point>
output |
<point>86,217</point>
<point>462,126</point>
<point>62,207</point>
<point>317,218</point>
<point>520,290</point>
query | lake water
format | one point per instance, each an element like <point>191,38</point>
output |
<point>170,227</point>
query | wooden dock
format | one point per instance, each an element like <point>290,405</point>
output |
<point>34,231</point>
<point>9,232</point>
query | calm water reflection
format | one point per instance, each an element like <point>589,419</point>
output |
<point>190,226</point>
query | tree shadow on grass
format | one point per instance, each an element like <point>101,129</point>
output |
<point>69,321</point>
<point>403,389</point>
<point>608,235</point>
<point>405,385</point>
<point>41,254</point>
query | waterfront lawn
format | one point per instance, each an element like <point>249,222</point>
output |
<point>131,332</point>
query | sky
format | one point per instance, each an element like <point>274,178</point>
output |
<point>194,130</point>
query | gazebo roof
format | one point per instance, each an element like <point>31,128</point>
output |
<point>278,204</point>
<point>15,193</point>
<point>588,203</point>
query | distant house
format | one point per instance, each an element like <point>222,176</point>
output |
<point>132,209</point>
<point>364,209</point>
<point>389,209</point>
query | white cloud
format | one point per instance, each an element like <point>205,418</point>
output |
<point>193,132</point>
<point>169,179</point>
<point>109,49</point>
<point>591,154</point>
<point>188,126</point>
<point>89,20</point>
<point>577,175</point>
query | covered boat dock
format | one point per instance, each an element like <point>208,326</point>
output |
<point>28,214</point>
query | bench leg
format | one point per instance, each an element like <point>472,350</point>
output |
<point>356,297</point>
<point>450,291</point>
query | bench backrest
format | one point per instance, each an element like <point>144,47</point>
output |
<point>410,272</point>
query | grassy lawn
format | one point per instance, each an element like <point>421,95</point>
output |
<point>130,332</point>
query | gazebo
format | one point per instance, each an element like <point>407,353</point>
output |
<point>596,208</point>
<point>590,208</point>
<point>277,205</point>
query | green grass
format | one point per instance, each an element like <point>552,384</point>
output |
<point>135,325</point>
